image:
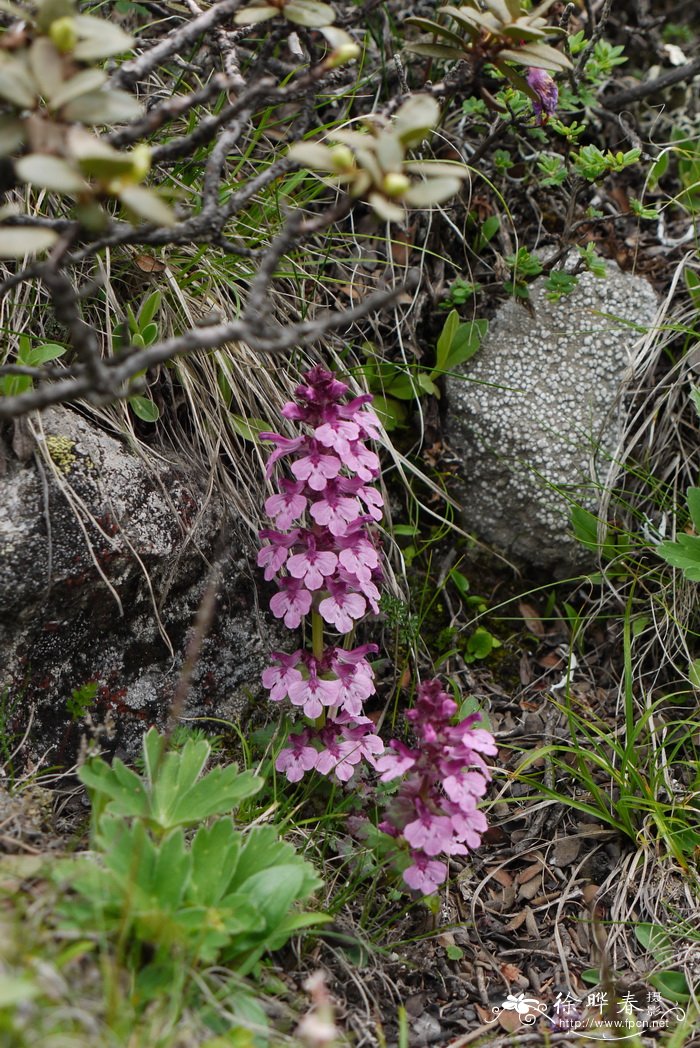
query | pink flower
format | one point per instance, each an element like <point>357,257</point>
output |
<point>312,566</point>
<point>367,420</point>
<point>298,758</point>
<point>392,765</point>
<point>278,678</point>
<point>362,461</point>
<point>337,435</point>
<point>316,469</point>
<point>355,687</point>
<point>465,789</point>
<point>313,694</point>
<point>372,500</point>
<point>366,587</point>
<point>335,511</point>
<point>357,554</point>
<point>429,832</point>
<point>292,603</point>
<point>341,608</point>
<point>469,827</point>
<point>546,91</point>
<point>285,446</point>
<point>435,807</point>
<point>361,734</point>
<point>340,758</point>
<point>287,506</point>
<point>273,556</point>
<point>425,875</point>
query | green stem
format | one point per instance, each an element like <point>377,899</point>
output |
<point>317,635</point>
<point>317,647</point>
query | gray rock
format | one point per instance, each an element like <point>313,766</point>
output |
<point>103,561</point>
<point>530,413</point>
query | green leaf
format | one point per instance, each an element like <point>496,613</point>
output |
<point>12,134</point>
<point>50,172</point>
<point>99,39</point>
<point>684,553</point>
<point>438,30</point>
<point>432,191</point>
<point>146,204</point>
<point>654,939</point>
<point>480,644</point>
<point>121,787</point>
<point>541,56</point>
<point>17,241</point>
<point>404,387</point>
<point>591,976</point>
<point>471,705</point>
<point>103,107</point>
<point>144,408</point>
<point>16,990</point>
<point>392,413</point>
<point>695,397</point>
<point>415,119</point>
<point>444,342</point>
<point>17,86</point>
<point>149,308</point>
<point>671,985</point>
<point>215,851</point>
<point>693,496</point>
<point>43,354</point>
<point>80,84</point>
<point>309,13</point>
<point>254,14</point>
<point>249,428</point>
<point>149,334</point>
<point>46,65</point>
<point>429,50</point>
<point>274,890</point>
<point>466,343</point>
<point>171,870</point>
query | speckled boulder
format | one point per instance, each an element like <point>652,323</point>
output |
<point>103,560</point>
<point>534,413</point>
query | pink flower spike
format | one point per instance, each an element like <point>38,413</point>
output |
<point>312,567</point>
<point>316,469</point>
<point>292,603</point>
<point>426,875</point>
<point>341,609</point>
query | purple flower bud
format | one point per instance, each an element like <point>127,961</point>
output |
<point>545,105</point>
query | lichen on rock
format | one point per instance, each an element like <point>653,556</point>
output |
<point>533,416</point>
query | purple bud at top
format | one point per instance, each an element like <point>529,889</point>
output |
<point>547,93</point>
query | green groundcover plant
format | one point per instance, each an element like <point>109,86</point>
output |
<point>218,895</point>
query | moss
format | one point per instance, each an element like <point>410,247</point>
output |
<point>61,451</point>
